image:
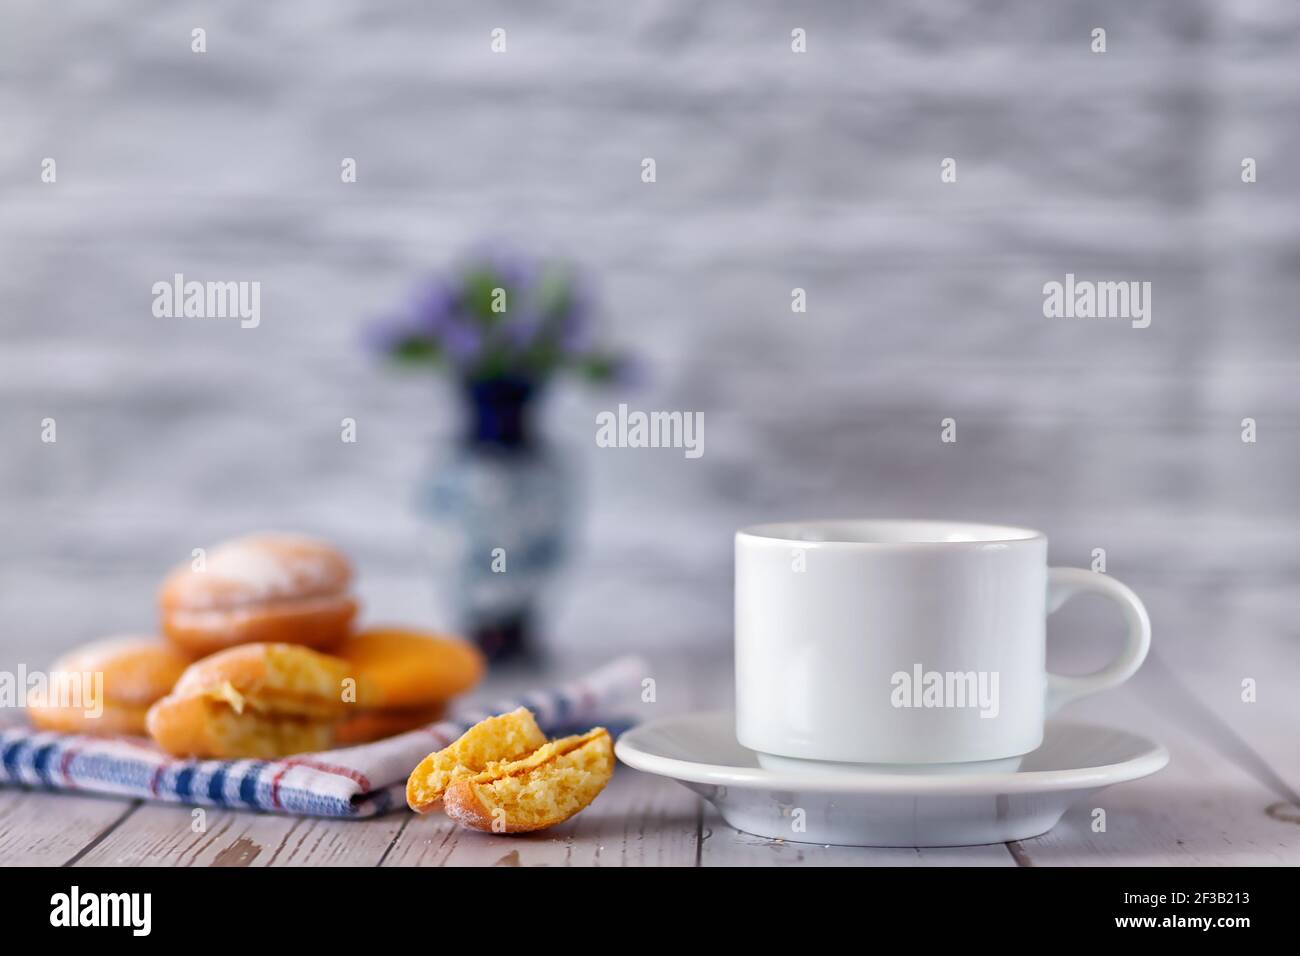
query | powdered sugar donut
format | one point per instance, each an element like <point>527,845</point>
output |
<point>269,587</point>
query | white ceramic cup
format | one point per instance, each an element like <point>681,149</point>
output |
<point>905,642</point>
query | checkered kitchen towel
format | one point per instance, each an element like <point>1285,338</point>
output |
<point>358,781</point>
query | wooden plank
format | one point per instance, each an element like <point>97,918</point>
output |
<point>1240,634</point>
<point>639,820</point>
<point>1221,800</point>
<point>163,835</point>
<point>39,828</point>
<point>1201,810</point>
<point>1211,805</point>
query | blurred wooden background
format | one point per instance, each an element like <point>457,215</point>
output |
<point>775,170</point>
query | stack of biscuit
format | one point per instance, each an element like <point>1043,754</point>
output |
<point>259,659</point>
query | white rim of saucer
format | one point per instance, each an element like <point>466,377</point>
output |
<point>635,755</point>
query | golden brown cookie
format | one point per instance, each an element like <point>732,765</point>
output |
<point>504,737</point>
<point>367,725</point>
<point>399,668</point>
<point>404,679</point>
<point>256,700</point>
<point>264,588</point>
<point>545,788</point>
<point>499,778</point>
<point>124,675</point>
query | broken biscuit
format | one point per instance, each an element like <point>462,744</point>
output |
<point>502,777</point>
<point>504,737</point>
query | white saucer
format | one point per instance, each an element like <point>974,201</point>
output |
<point>867,808</point>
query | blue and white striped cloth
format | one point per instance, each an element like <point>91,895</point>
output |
<point>360,781</point>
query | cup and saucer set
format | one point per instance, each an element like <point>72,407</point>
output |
<point>892,690</point>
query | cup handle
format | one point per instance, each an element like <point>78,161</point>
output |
<point>1065,583</point>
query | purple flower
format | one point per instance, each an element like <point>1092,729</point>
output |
<point>434,307</point>
<point>462,342</point>
<point>524,329</point>
<point>546,328</point>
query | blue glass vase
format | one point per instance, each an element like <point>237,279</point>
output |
<point>499,503</point>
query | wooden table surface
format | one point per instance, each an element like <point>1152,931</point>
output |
<point>1229,795</point>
